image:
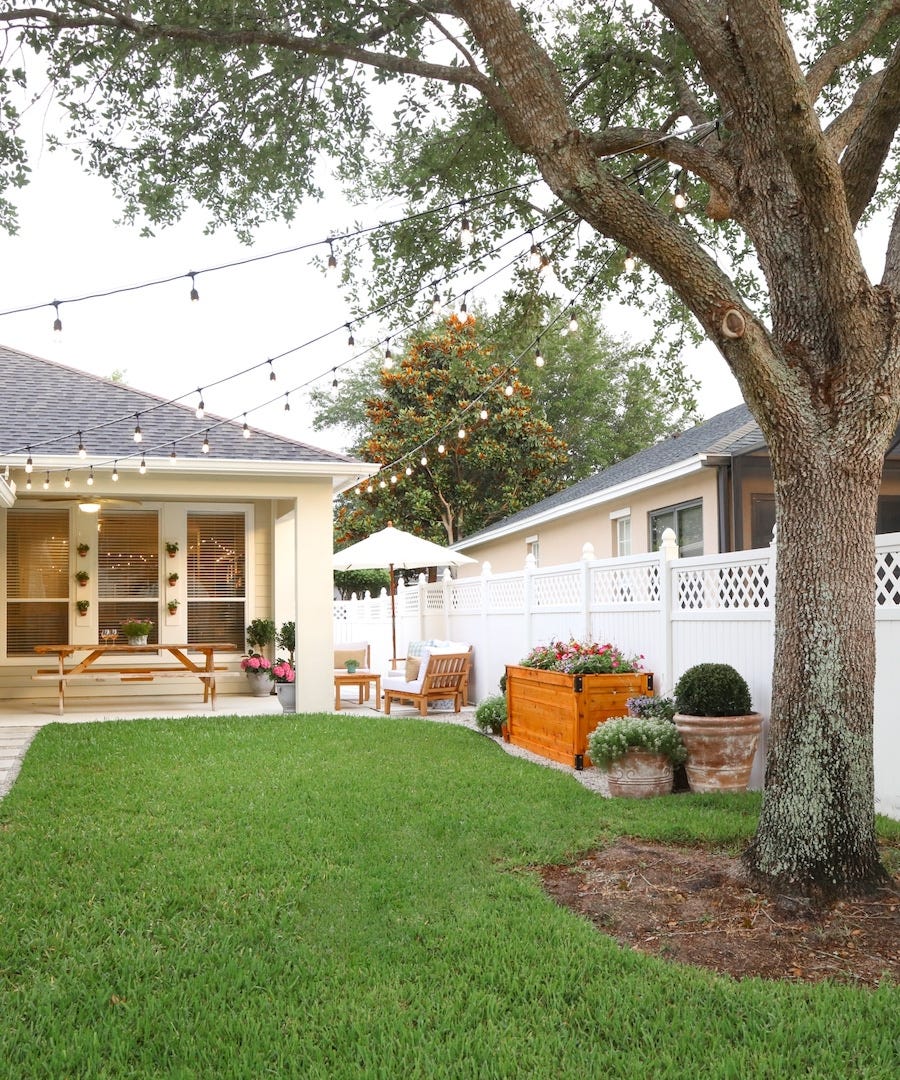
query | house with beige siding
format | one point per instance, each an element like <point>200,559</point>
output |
<point>711,484</point>
<point>246,515</point>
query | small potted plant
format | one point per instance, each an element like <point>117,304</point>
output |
<point>257,669</point>
<point>260,634</point>
<point>284,676</point>
<point>490,715</point>
<point>173,578</point>
<point>82,577</point>
<point>171,548</point>
<point>82,606</point>
<point>83,549</point>
<point>351,666</point>
<point>172,606</point>
<point>721,732</point>
<point>638,754</point>
<point>136,631</point>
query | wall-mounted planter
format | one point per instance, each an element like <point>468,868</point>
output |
<point>551,713</point>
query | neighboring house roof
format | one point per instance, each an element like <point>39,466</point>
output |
<point>45,404</point>
<point>731,432</point>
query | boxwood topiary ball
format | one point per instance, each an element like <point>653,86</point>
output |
<point>712,690</point>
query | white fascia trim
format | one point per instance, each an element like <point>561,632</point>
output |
<point>214,466</point>
<point>596,498</point>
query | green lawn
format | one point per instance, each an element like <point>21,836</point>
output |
<point>335,896</point>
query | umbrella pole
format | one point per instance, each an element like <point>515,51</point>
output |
<point>393,618</point>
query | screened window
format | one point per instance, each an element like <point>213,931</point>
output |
<point>216,577</point>
<point>762,519</point>
<point>686,520</point>
<point>888,514</point>
<point>128,568</point>
<point>37,579</point>
<point>623,536</point>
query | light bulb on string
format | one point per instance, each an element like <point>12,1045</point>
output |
<point>29,464</point>
<point>435,302</point>
<point>369,489</point>
<point>271,372</point>
<point>200,411</point>
<point>138,434</point>
<point>546,267</point>
<point>57,322</point>
<point>441,448</point>
<point>509,390</point>
<point>331,265</point>
<point>246,428</point>
<point>205,447</point>
<point>424,460</point>
<point>334,379</point>
<point>629,262</point>
<point>173,457</point>
<point>115,472</point>
<point>67,482</point>
<point>382,484</point>
<point>464,307</point>
<point>287,403</point>
<point>388,355</point>
<point>534,255</point>
<point>393,478</point>
<point>47,481</point>
<point>28,483</point>
<point>90,479</point>
<point>82,453</point>
<point>483,414</point>
<point>142,468</point>
<point>680,200</point>
<point>466,236</point>
<point>573,323</point>
<point>538,356</point>
<point>194,294</point>
<point>351,340</point>
<point>461,433</point>
<point>408,470</point>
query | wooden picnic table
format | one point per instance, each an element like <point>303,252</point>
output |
<point>125,672</point>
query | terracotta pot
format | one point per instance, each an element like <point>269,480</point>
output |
<point>720,750</point>
<point>640,774</point>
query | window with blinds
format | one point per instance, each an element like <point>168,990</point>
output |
<point>128,568</point>
<point>37,579</point>
<point>216,577</point>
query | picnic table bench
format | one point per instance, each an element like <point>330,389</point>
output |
<point>87,669</point>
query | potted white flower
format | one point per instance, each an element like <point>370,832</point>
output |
<point>638,754</point>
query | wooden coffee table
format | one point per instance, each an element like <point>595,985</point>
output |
<point>362,678</point>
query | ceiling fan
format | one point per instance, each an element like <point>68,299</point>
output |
<point>89,504</point>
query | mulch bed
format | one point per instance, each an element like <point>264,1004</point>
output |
<point>696,907</point>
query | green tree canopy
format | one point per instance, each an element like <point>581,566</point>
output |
<point>499,458</point>
<point>776,121</point>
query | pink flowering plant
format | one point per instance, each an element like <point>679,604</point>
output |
<point>582,658</point>
<point>255,664</point>
<point>282,672</point>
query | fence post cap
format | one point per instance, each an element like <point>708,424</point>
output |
<point>587,552</point>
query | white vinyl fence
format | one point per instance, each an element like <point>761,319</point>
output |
<point>674,612</point>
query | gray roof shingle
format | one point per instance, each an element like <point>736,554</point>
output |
<point>729,431</point>
<point>44,404</point>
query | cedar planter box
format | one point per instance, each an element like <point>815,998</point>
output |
<point>551,713</point>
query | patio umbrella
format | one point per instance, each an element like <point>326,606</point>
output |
<point>397,550</point>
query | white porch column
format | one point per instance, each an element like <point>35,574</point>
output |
<point>314,585</point>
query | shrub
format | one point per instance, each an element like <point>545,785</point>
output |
<point>712,690</point>
<point>490,715</point>
<point>261,632</point>
<point>612,740</point>
<point>645,706</point>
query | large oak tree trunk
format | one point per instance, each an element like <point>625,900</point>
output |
<point>816,827</point>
